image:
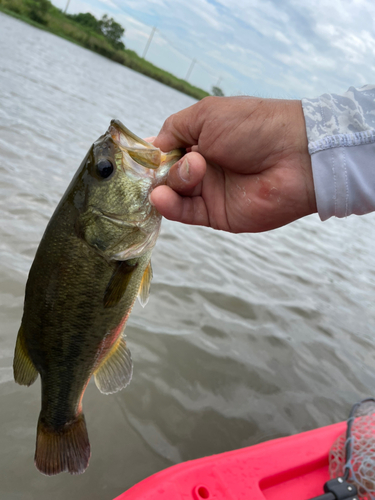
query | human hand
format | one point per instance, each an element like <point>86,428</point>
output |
<point>248,169</point>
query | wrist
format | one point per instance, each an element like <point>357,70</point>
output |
<point>303,155</point>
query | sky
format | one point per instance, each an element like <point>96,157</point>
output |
<point>267,48</point>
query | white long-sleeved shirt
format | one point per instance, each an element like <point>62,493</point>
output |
<point>341,137</point>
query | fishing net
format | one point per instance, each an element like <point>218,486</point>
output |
<point>352,456</point>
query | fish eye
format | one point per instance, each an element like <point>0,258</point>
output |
<point>105,168</point>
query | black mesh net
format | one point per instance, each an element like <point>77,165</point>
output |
<point>352,455</point>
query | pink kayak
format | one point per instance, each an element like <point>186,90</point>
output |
<point>290,468</point>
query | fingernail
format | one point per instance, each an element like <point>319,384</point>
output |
<point>150,200</point>
<point>184,170</point>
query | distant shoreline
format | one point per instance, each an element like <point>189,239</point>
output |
<point>57,23</point>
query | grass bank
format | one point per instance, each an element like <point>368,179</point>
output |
<point>44,15</point>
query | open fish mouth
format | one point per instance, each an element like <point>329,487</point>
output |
<point>121,129</point>
<point>141,151</point>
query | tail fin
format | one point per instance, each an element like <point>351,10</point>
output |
<point>66,449</point>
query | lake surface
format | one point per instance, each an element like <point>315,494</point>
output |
<point>245,337</point>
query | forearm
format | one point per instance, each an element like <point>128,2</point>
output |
<point>341,137</point>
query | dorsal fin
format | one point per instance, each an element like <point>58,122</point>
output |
<point>144,289</point>
<point>24,370</point>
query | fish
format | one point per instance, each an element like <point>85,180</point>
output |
<point>92,262</point>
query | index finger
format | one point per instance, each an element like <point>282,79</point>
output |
<point>182,129</point>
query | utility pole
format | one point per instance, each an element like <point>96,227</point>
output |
<point>190,69</point>
<point>219,81</point>
<point>148,42</point>
<point>67,5</point>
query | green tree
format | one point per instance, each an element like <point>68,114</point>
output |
<point>87,20</point>
<point>112,31</point>
<point>38,10</point>
<point>217,91</point>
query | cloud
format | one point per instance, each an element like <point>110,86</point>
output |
<point>262,47</point>
<point>282,38</point>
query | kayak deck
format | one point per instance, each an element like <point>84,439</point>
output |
<point>290,468</point>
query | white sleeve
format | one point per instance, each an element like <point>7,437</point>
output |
<point>341,136</point>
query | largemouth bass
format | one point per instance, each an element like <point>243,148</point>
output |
<point>91,264</point>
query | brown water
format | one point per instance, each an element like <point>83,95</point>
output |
<point>245,337</point>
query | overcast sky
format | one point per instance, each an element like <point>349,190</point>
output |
<point>269,48</point>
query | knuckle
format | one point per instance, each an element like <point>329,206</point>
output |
<point>207,101</point>
<point>168,124</point>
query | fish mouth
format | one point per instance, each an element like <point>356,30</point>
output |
<point>142,152</point>
<point>120,127</point>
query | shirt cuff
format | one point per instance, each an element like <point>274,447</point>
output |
<point>344,180</point>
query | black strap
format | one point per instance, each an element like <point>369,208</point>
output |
<point>338,489</point>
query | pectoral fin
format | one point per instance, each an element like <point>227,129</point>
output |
<point>144,289</point>
<point>24,370</point>
<point>118,283</point>
<point>115,371</point>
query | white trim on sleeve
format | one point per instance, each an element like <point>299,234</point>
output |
<point>344,180</point>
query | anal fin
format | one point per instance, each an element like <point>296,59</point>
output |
<point>116,369</point>
<point>24,371</point>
